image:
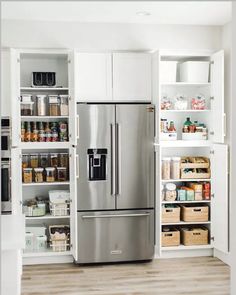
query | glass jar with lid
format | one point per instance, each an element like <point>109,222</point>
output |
<point>165,168</point>
<point>64,105</point>
<point>175,167</point>
<point>170,192</point>
<point>27,105</point>
<point>54,105</point>
<point>41,105</point>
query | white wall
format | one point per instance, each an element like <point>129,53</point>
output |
<point>94,36</point>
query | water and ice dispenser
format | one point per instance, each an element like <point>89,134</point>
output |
<point>97,159</point>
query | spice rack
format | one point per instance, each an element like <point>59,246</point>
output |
<point>203,103</point>
<point>44,124</point>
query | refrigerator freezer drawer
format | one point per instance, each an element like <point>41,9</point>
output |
<point>115,236</point>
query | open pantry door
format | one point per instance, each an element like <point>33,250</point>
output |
<point>217,95</point>
<point>73,203</point>
<point>15,97</point>
<point>16,181</point>
<point>219,191</point>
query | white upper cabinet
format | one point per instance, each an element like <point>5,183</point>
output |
<point>94,76</point>
<point>132,76</point>
<point>5,83</point>
<point>217,94</point>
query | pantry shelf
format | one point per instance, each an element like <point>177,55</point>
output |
<point>47,252</point>
<point>186,223</point>
<point>186,180</point>
<point>41,118</point>
<point>44,88</point>
<point>186,143</point>
<point>182,247</point>
<point>45,145</point>
<point>184,111</point>
<point>47,216</point>
<point>45,183</point>
<point>184,84</point>
<point>185,202</point>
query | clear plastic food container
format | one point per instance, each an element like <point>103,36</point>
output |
<point>175,167</point>
<point>50,174</point>
<point>61,174</point>
<point>64,105</point>
<point>166,168</point>
<point>27,175</point>
<point>25,161</point>
<point>27,108</point>
<point>38,174</point>
<point>43,160</point>
<point>34,160</point>
<point>41,105</point>
<point>54,105</point>
<point>54,160</point>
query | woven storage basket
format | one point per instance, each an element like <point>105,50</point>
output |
<point>195,236</point>
<point>171,214</point>
<point>170,238</point>
<point>194,213</point>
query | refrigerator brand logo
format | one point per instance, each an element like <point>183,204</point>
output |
<point>116,252</point>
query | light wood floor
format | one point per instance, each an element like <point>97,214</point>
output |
<point>185,276</point>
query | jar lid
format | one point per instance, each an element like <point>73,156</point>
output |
<point>53,100</point>
<point>176,159</point>
<point>38,169</point>
<point>41,96</point>
<point>26,102</point>
<point>61,168</point>
<point>53,155</point>
<point>26,98</point>
<point>166,159</point>
<point>27,169</point>
<point>166,229</point>
<point>170,186</point>
<point>50,168</point>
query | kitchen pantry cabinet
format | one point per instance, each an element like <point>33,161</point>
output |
<point>5,83</point>
<point>203,103</point>
<point>113,77</point>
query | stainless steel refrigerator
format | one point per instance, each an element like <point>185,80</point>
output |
<point>115,188</point>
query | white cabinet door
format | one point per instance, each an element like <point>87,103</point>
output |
<point>16,181</point>
<point>94,76</point>
<point>5,84</point>
<point>132,77</point>
<point>219,204</point>
<point>73,196</point>
<point>15,97</point>
<point>217,92</point>
<point>158,212</point>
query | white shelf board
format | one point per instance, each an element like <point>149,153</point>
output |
<point>47,216</point>
<point>185,143</point>
<point>184,111</point>
<point>182,247</point>
<point>45,183</point>
<point>48,252</point>
<point>185,223</point>
<point>44,88</point>
<point>185,202</point>
<point>40,118</point>
<point>44,145</point>
<point>186,180</point>
<point>184,84</point>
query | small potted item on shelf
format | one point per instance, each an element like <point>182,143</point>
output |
<point>194,131</point>
<point>180,102</point>
<point>168,131</point>
<point>166,103</point>
<point>59,237</point>
<point>27,105</point>
<point>198,102</point>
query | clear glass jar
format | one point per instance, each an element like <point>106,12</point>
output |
<point>27,175</point>
<point>54,105</point>
<point>61,174</point>
<point>50,174</point>
<point>38,174</point>
<point>34,161</point>
<point>171,194</point>
<point>175,168</point>
<point>41,105</point>
<point>64,105</point>
<point>166,168</point>
<point>54,160</point>
<point>27,105</point>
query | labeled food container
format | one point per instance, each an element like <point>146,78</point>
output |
<point>61,174</point>
<point>38,174</point>
<point>41,105</point>
<point>64,105</point>
<point>166,168</point>
<point>189,193</point>
<point>54,105</point>
<point>181,195</point>
<point>64,160</point>
<point>34,161</point>
<point>26,105</point>
<point>27,175</point>
<point>170,192</point>
<point>63,132</point>
<point>50,174</point>
<point>175,167</point>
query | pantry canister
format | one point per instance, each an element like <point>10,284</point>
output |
<point>170,192</point>
<point>54,105</point>
<point>64,105</point>
<point>41,104</point>
<point>166,168</point>
<point>26,105</point>
<point>175,167</point>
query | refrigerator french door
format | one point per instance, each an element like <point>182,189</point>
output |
<point>116,182</point>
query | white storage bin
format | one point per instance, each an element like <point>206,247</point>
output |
<point>59,245</point>
<point>29,241</point>
<point>59,209</point>
<point>41,243</point>
<point>194,136</point>
<point>194,72</point>
<point>37,230</point>
<point>168,136</point>
<point>168,71</point>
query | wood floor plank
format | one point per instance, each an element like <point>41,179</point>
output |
<point>183,276</point>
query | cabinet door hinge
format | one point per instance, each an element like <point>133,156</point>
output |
<point>212,132</point>
<point>212,152</point>
<point>212,98</point>
<point>213,239</point>
<point>212,62</point>
<point>69,61</point>
<point>71,245</point>
<point>212,196</point>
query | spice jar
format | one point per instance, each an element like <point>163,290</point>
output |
<point>25,161</point>
<point>27,175</point>
<point>26,105</point>
<point>38,174</point>
<point>43,160</point>
<point>41,105</point>
<point>34,161</point>
<point>54,105</point>
<point>50,174</point>
<point>166,168</point>
<point>175,168</point>
<point>170,192</point>
<point>64,105</point>
<point>54,160</point>
<point>61,174</point>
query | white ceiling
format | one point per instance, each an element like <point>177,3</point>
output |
<point>161,12</point>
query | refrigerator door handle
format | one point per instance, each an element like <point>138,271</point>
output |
<point>113,161</point>
<point>115,215</point>
<point>118,159</point>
